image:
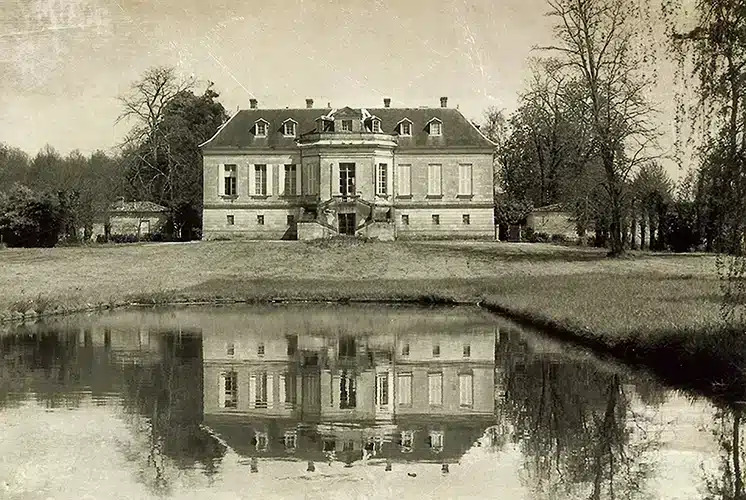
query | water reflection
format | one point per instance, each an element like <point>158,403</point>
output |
<point>419,395</point>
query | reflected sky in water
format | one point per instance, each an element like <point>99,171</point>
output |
<point>340,402</point>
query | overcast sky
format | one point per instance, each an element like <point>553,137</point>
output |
<point>63,62</point>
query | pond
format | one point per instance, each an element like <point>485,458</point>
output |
<point>329,401</point>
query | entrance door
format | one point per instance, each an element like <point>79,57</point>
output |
<point>347,224</point>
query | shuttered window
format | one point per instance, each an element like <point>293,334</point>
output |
<point>435,388</point>
<point>465,179</point>
<point>405,389</point>
<point>405,180</point>
<point>466,390</point>
<point>434,182</point>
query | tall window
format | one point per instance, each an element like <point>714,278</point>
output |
<point>436,441</point>
<point>260,180</point>
<point>309,180</point>
<point>287,389</point>
<point>405,389</point>
<point>465,390</point>
<point>291,180</point>
<point>407,441</point>
<point>347,391</point>
<point>258,390</point>
<point>230,180</point>
<point>434,180</point>
<point>464,179</point>
<point>261,129</point>
<point>347,179</point>
<point>435,128</point>
<point>405,128</point>
<point>382,389</point>
<point>376,126</point>
<point>289,129</point>
<point>435,388</point>
<point>228,396</point>
<point>382,186</point>
<point>405,180</point>
<point>346,125</point>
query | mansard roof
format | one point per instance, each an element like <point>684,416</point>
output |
<point>458,131</point>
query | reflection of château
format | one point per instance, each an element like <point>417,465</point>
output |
<point>403,395</point>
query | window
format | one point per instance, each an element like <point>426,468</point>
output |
<point>382,389</point>
<point>291,180</point>
<point>467,351</point>
<point>382,184</point>
<point>230,220</point>
<point>435,128</point>
<point>228,390</point>
<point>435,388</point>
<point>292,341</point>
<point>376,126</point>
<point>291,439</point>
<point>407,441</point>
<point>464,180</point>
<point>347,179</point>
<point>405,389</point>
<point>436,441</point>
<point>346,125</point>
<point>466,219</point>
<point>262,442</point>
<point>434,180</point>
<point>260,220</point>
<point>230,349</point>
<point>260,349</point>
<point>436,350</point>
<point>405,350</point>
<point>290,220</point>
<point>436,219</point>
<point>347,346</point>
<point>405,180</point>
<point>287,390</point>
<point>230,181</point>
<point>261,129</point>
<point>405,219</point>
<point>405,128</point>
<point>328,126</point>
<point>465,390</point>
<point>347,391</point>
<point>260,180</point>
<point>258,393</point>
<point>288,128</point>
<point>310,179</point>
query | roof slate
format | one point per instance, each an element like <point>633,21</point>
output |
<point>136,206</point>
<point>457,131</point>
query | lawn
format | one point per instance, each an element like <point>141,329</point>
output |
<point>658,310</point>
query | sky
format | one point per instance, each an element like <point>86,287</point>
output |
<point>64,62</point>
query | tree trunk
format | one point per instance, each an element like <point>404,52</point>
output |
<point>633,239</point>
<point>738,486</point>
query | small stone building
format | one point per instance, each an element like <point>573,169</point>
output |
<point>136,217</point>
<point>553,219</point>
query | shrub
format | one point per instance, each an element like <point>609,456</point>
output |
<point>559,238</point>
<point>101,238</point>
<point>29,219</point>
<point>123,238</point>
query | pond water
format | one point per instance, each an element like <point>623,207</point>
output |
<point>317,401</point>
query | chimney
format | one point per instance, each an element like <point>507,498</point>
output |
<point>443,102</point>
<point>309,103</point>
<point>252,103</point>
<point>386,102</point>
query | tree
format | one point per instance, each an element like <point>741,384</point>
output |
<point>652,190</point>
<point>161,153</point>
<point>29,219</point>
<point>595,42</point>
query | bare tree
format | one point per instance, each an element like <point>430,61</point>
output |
<point>596,44</point>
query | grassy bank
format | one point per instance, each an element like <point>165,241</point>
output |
<point>636,308</point>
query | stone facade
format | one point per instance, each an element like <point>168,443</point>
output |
<point>410,172</point>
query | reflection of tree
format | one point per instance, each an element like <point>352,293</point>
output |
<point>728,485</point>
<point>575,426</point>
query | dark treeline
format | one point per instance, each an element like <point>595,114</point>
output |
<point>51,197</point>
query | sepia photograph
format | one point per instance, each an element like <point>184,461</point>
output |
<point>372,249</point>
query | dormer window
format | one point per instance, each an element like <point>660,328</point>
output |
<point>405,128</point>
<point>260,128</point>
<point>435,127</point>
<point>376,126</point>
<point>288,128</point>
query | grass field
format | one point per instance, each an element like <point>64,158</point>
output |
<point>661,310</point>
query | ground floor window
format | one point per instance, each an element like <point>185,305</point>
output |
<point>228,396</point>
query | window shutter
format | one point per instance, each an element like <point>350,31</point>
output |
<point>405,180</point>
<point>252,180</point>
<point>221,179</point>
<point>335,178</point>
<point>281,180</point>
<point>269,179</point>
<point>221,391</point>
<point>465,389</point>
<point>252,391</point>
<point>270,391</point>
<point>464,178</point>
<point>282,396</point>
<point>298,179</point>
